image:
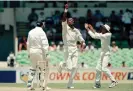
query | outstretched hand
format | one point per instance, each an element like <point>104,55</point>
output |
<point>90,26</point>
<point>86,26</point>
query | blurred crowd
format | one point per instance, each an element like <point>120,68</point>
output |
<point>121,27</point>
<point>60,46</point>
<point>121,23</point>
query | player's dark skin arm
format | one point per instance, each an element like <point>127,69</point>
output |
<point>65,13</point>
<point>82,46</point>
<point>89,27</point>
<point>64,17</point>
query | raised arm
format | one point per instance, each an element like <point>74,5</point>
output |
<point>65,13</point>
<point>90,30</point>
<point>94,34</point>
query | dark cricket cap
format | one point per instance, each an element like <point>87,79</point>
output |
<point>40,23</point>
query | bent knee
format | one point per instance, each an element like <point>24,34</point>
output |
<point>104,69</point>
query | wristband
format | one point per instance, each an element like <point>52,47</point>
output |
<point>66,10</point>
<point>84,43</point>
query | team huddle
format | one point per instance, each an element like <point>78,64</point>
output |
<point>37,45</point>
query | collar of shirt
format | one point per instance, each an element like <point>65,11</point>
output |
<point>39,28</point>
<point>69,28</point>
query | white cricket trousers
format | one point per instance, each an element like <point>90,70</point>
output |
<point>35,58</point>
<point>102,67</point>
<point>71,63</point>
<point>71,57</point>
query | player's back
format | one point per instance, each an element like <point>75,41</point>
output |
<point>36,36</point>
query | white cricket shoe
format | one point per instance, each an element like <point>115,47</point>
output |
<point>60,68</point>
<point>70,87</point>
<point>113,84</point>
<point>30,89</point>
<point>46,89</point>
<point>97,85</point>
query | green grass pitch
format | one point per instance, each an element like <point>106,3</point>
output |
<point>80,86</point>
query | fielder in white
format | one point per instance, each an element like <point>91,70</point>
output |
<point>70,37</point>
<point>105,37</point>
<point>37,46</point>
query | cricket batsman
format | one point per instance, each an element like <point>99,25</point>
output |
<point>70,37</point>
<point>37,46</point>
<point>105,37</point>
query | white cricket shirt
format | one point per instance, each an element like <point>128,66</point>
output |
<point>70,36</point>
<point>37,41</point>
<point>105,40</point>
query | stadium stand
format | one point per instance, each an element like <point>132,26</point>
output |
<point>89,57</point>
<point>6,42</point>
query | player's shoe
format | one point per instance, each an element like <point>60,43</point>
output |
<point>70,87</point>
<point>60,68</point>
<point>46,89</point>
<point>30,89</point>
<point>113,84</point>
<point>97,85</point>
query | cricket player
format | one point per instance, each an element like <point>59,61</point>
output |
<point>37,46</point>
<point>105,37</point>
<point>70,37</point>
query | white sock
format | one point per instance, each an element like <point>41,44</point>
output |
<point>31,76</point>
<point>98,76</point>
<point>73,73</point>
